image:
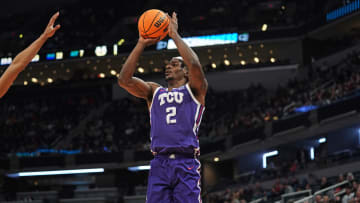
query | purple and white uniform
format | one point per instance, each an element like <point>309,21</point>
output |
<point>175,118</point>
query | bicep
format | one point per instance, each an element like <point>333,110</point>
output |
<point>138,87</point>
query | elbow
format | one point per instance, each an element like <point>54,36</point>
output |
<point>122,81</point>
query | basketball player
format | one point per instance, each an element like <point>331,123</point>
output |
<point>175,115</point>
<point>25,57</point>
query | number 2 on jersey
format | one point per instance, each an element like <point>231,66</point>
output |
<point>170,114</point>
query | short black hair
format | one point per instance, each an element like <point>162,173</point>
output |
<point>181,60</point>
<point>182,63</point>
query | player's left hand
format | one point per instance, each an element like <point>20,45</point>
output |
<point>173,26</point>
<point>50,29</point>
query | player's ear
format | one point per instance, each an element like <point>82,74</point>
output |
<point>186,71</point>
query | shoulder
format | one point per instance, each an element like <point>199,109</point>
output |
<point>153,86</point>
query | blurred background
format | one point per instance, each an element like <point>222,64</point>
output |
<point>282,118</point>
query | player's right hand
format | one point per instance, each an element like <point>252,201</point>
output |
<point>148,41</point>
<point>50,29</point>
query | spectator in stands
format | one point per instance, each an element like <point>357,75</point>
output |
<point>258,191</point>
<point>318,199</point>
<point>340,179</point>
<point>235,197</point>
<point>324,183</point>
<point>356,198</point>
<point>325,199</point>
<point>350,177</point>
<point>288,187</point>
<point>354,186</point>
<point>348,195</point>
<point>277,189</point>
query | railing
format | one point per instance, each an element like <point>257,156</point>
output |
<point>310,198</point>
<point>258,200</point>
<point>331,188</point>
<point>294,195</point>
<point>87,200</point>
<point>39,195</point>
<point>135,199</point>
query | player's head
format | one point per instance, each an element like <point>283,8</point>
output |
<point>176,70</point>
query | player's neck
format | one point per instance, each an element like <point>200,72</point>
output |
<point>175,84</point>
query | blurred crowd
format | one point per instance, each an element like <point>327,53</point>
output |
<point>348,192</point>
<point>44,121</point>
<point>225,111</point>
<point>252,107</point>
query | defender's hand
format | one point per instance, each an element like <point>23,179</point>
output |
<point>50,29</point>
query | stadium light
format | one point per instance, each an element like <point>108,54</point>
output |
<point>322,140</point>
<point>268,154</point>
<point>312,153</point>
<point>59,55</point>
<point>36,58</point>
<point>101,50</point>
<point>101,75</point>
<point>81,52</point>
<point>34,80</point>
<point>56,172</point>
<point>113,72</point>
<point>213,65</point>
<point>115,49</point>
<point>5,61</point>
<point>209,40</point>
<point>74,53</point>
<point>141,70</point>
<point>264,27</point>
<point>121,42</point>
<point>139,168</point>
<point>50,56</point>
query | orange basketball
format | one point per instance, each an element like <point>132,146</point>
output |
<point>153,23</point>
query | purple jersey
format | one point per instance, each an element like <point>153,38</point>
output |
<point>175,118</point>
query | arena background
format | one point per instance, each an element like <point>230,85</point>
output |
<point>282,117</point>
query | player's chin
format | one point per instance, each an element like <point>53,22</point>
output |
<point>168,78</point>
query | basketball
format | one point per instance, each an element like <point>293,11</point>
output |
<point>153,23</point>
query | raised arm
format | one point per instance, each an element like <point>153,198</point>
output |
<point>25,57</point>
<point>197,80</point>
<point>134,85</point>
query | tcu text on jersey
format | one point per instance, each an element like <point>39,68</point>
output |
<point>170,97</point>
